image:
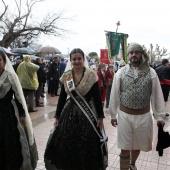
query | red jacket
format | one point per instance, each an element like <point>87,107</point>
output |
<point>101,79</point>
<point>109,77</point>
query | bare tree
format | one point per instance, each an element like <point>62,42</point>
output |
<point>20,26</point>
<point>23,41</point>
<point>3,13</point>
<point>157,53</point>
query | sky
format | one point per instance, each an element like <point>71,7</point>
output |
<point>145,21</point>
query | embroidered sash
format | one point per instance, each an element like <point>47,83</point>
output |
<point>83,105</point>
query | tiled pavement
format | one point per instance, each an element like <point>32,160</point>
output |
<point>43,122</point>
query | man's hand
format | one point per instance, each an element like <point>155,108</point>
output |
<point>114,122</point>
<point>100,123</point>
<point>56,122</point>
<point>160,122</point>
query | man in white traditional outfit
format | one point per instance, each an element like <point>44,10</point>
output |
<point>134,87</point>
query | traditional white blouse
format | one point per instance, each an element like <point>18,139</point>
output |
<point>157,100</point>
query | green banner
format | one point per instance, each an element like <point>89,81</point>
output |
<point>108,46</point>
<point>114,43</point>
<point>124,46</point>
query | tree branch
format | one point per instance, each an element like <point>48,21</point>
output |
<point>6,7</point>
<point>21,25</point>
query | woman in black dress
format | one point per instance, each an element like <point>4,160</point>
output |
<point>17,145</point>
<point>74,144</point>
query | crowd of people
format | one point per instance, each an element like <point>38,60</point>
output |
<point>48,74</point>
<point>75,141</point>
<point>35,75</point>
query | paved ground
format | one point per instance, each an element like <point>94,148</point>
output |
<point>43,122</point>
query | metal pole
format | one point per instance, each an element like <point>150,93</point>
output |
<point>118,23</point>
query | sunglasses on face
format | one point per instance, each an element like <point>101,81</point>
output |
<point>74,59</point>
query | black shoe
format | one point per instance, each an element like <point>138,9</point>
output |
<point>107,106</point>
<point>52,95</point>
<point>56,94</point>
<point>42,96</point>
<point>32,110</point>
<point>167,114</point>
<point>39,105</point>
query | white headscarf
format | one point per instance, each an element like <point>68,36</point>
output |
<point>69,65</point>
<point>144,66</point>
<point>16,86</point>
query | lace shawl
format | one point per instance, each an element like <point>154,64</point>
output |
<point>90,77</point>
<point>5,84</point>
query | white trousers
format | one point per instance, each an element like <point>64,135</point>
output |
<point>135,132</point>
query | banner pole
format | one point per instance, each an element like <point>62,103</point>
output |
<point>118,24</point>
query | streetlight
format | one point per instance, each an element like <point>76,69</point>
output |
<point>118,23</point>
<point>68,50</point>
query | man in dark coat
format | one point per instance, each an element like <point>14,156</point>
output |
<point>163,72</point>
<point>18,60</point>
<point>54,75</point>
<point>62,65</point>
<point>40,74</point>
